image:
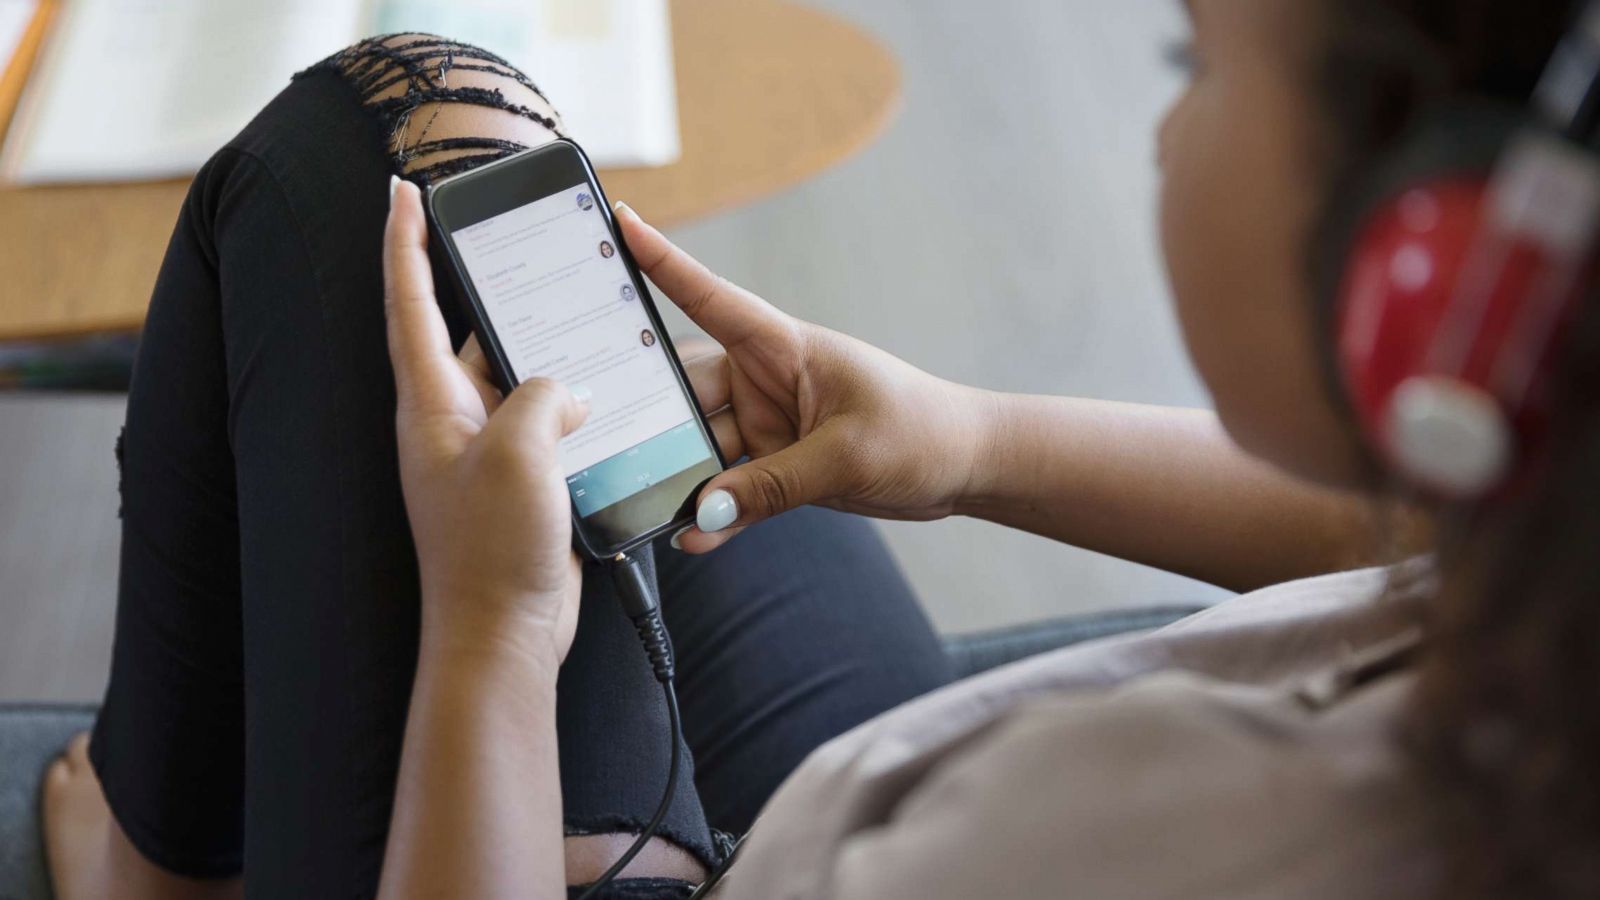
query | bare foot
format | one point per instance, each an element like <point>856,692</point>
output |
<point>87,851</point>
<point>76,819</point>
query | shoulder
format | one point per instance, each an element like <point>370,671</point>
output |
<point>1170,786</point>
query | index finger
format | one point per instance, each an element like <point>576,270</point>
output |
<point>727,312</point>
<point>419,344</point>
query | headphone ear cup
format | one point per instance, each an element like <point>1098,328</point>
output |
<point>1396,238</point>
<point>1443,433</point>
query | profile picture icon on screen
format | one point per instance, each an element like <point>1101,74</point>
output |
<point>606,250</point>
<point>585,202</point>
<point>647,338</point>
<point>628,293</point>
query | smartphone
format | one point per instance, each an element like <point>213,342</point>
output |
<point>533,254</point>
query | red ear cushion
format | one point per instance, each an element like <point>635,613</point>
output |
<point>1415,305</point>
<point>1409,265</point>
<point>1399,281</point>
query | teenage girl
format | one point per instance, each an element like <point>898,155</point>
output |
<point>1378,242</point>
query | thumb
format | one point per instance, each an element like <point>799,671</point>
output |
<point>539,413</point>
<point>799,474</point>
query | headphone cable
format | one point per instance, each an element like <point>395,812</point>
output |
<point>644,609</point>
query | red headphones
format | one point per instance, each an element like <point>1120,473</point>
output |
<point>1463,267</point>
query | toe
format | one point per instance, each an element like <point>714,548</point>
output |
<point>78,749</point>
<point>77,753</point>
<point>58,775</point>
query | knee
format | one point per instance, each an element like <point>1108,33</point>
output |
<point>445,106</point>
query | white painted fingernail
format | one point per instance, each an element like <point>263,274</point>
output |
<point>673,542</point>
<point>394,182</point>
<point>583,394</point>
<point>717,511</point>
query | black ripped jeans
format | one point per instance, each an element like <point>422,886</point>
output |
<point>267,616</point>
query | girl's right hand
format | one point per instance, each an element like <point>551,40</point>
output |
<point>824,418</point>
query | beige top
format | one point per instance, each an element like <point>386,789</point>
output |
<point>1245,752</point>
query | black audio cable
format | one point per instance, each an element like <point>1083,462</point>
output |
<point>644,609</point>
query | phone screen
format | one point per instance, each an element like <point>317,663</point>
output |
<point>563,304</point>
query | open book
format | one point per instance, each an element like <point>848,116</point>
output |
<point>133,89</point>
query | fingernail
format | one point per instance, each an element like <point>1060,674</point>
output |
<point>394,182</point>
<point>673,541</point>
<point>717,511</point>
<point>582,392</point>
<point>621,207</point>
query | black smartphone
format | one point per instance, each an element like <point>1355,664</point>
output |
<point>533,253</point>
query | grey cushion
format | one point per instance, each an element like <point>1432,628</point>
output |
<point>31,735</point>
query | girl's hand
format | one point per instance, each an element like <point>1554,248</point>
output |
<point>483,483</point>
<point>825,418</point>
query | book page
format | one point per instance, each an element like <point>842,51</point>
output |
<point>131,89</point>
<point>605,64</point>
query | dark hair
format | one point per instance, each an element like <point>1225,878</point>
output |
<point>1505,723</point>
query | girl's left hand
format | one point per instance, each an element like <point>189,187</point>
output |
<point>483,483</point>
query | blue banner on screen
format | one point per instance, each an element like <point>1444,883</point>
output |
<point>637,468</point>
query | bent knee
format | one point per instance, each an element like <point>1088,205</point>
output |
<point>446,106</point>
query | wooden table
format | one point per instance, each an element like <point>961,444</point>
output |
<point>769,92</point>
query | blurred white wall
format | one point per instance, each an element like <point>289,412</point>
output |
<point>1002,233</point>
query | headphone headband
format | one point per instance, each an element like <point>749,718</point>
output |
<point>1565,99</point>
